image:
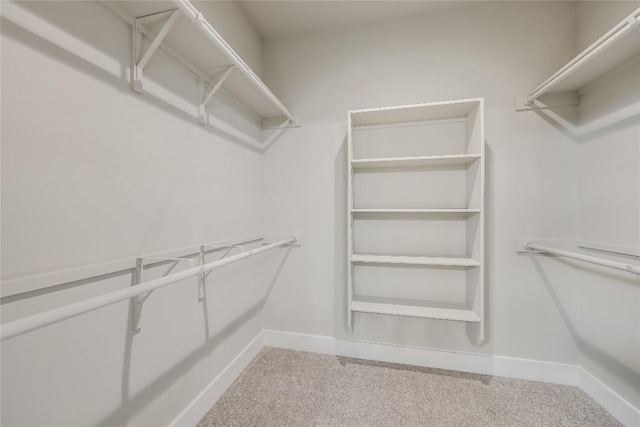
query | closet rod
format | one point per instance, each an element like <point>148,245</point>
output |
<point>30,323</point>
<point>197,18</point>
<point>609,38</point>
<point>629,268</point>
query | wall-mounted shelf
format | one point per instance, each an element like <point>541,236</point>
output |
<point>419,161</point>
<point>415,219</point>
<point>415,260</point>
<point>184,32</point>
<point>417,113</point>
<point>616,47</point>
<point>426,312</point>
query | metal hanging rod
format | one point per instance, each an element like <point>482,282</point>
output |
<point>629,268</point>
<point>37,321</point>
<point>609,38</point>
<point>197,18</point>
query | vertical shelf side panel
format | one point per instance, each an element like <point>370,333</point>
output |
<point>475,225</point>
<point>349,222</point>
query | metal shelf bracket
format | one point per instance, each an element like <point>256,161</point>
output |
<point>202,113</point>
<point>141,59</point>
<point>202,276</point>
<point>138,278</point>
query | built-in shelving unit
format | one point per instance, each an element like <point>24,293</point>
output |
<point>416,212</point>
<point>618,46</point>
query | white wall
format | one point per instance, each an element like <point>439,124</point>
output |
<point>92,172</point>
<point>608,329</point>
<point>495,50</point>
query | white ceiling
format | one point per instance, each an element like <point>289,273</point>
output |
<point>286,18</point>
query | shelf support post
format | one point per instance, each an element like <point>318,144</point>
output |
<point>202,114</point>
<point>140,61</point>
<point>138,277</point>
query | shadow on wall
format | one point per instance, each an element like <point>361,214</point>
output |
<point>131,405</point>
<point>472,329</point>
<point>102,60</point>
<point>340,166</point>
<point>624,373</point>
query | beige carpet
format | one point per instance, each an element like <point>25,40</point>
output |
<point>292,388</point>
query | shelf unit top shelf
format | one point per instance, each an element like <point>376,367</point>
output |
<point>427,312</point>
<point>186,39</point>
<point>419,161</point>
<point>415,260</point>
<point>414,113</point>
<point>616,47</point>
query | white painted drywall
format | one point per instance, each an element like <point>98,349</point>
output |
<point>608,328</point>
<point>228,18</point>
<point>91,172</point>
<point>494,50</point>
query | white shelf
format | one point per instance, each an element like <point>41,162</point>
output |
<point>615,48</point>
<point>421,161</point>
<point>414,113</point>
<point>415,260</point>
<point>427,312</point>
<point>193,46</point>
<point>416,211</point>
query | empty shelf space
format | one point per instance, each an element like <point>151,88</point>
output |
<point>428,312</point>
<point>415,260</point>
<point>459,109</point>
<point>421,161</point>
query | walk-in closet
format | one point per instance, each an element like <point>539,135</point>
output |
<point>319,213</point>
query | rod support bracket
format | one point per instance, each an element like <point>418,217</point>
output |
<point>140,58</point>
<point>202,276</point>
<point>546,101</point>
<point>202,108</point>
<point>198,19</point>
<point>138,301</point>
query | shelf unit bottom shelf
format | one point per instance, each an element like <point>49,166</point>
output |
<point>425,312</point>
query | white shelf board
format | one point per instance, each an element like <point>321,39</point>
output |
<point>194,46</point>
<point>415,260</point>
<point>416,211</point>
<point>414,113</point>
<point>428,312</point>
<point>618,53</point>
<point>421,161</point>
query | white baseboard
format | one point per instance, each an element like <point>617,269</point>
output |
<point>624,411</point>
<point>510,367</point>
<point>198,408</point>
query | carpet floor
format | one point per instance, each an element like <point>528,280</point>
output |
<point>292,388</point>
